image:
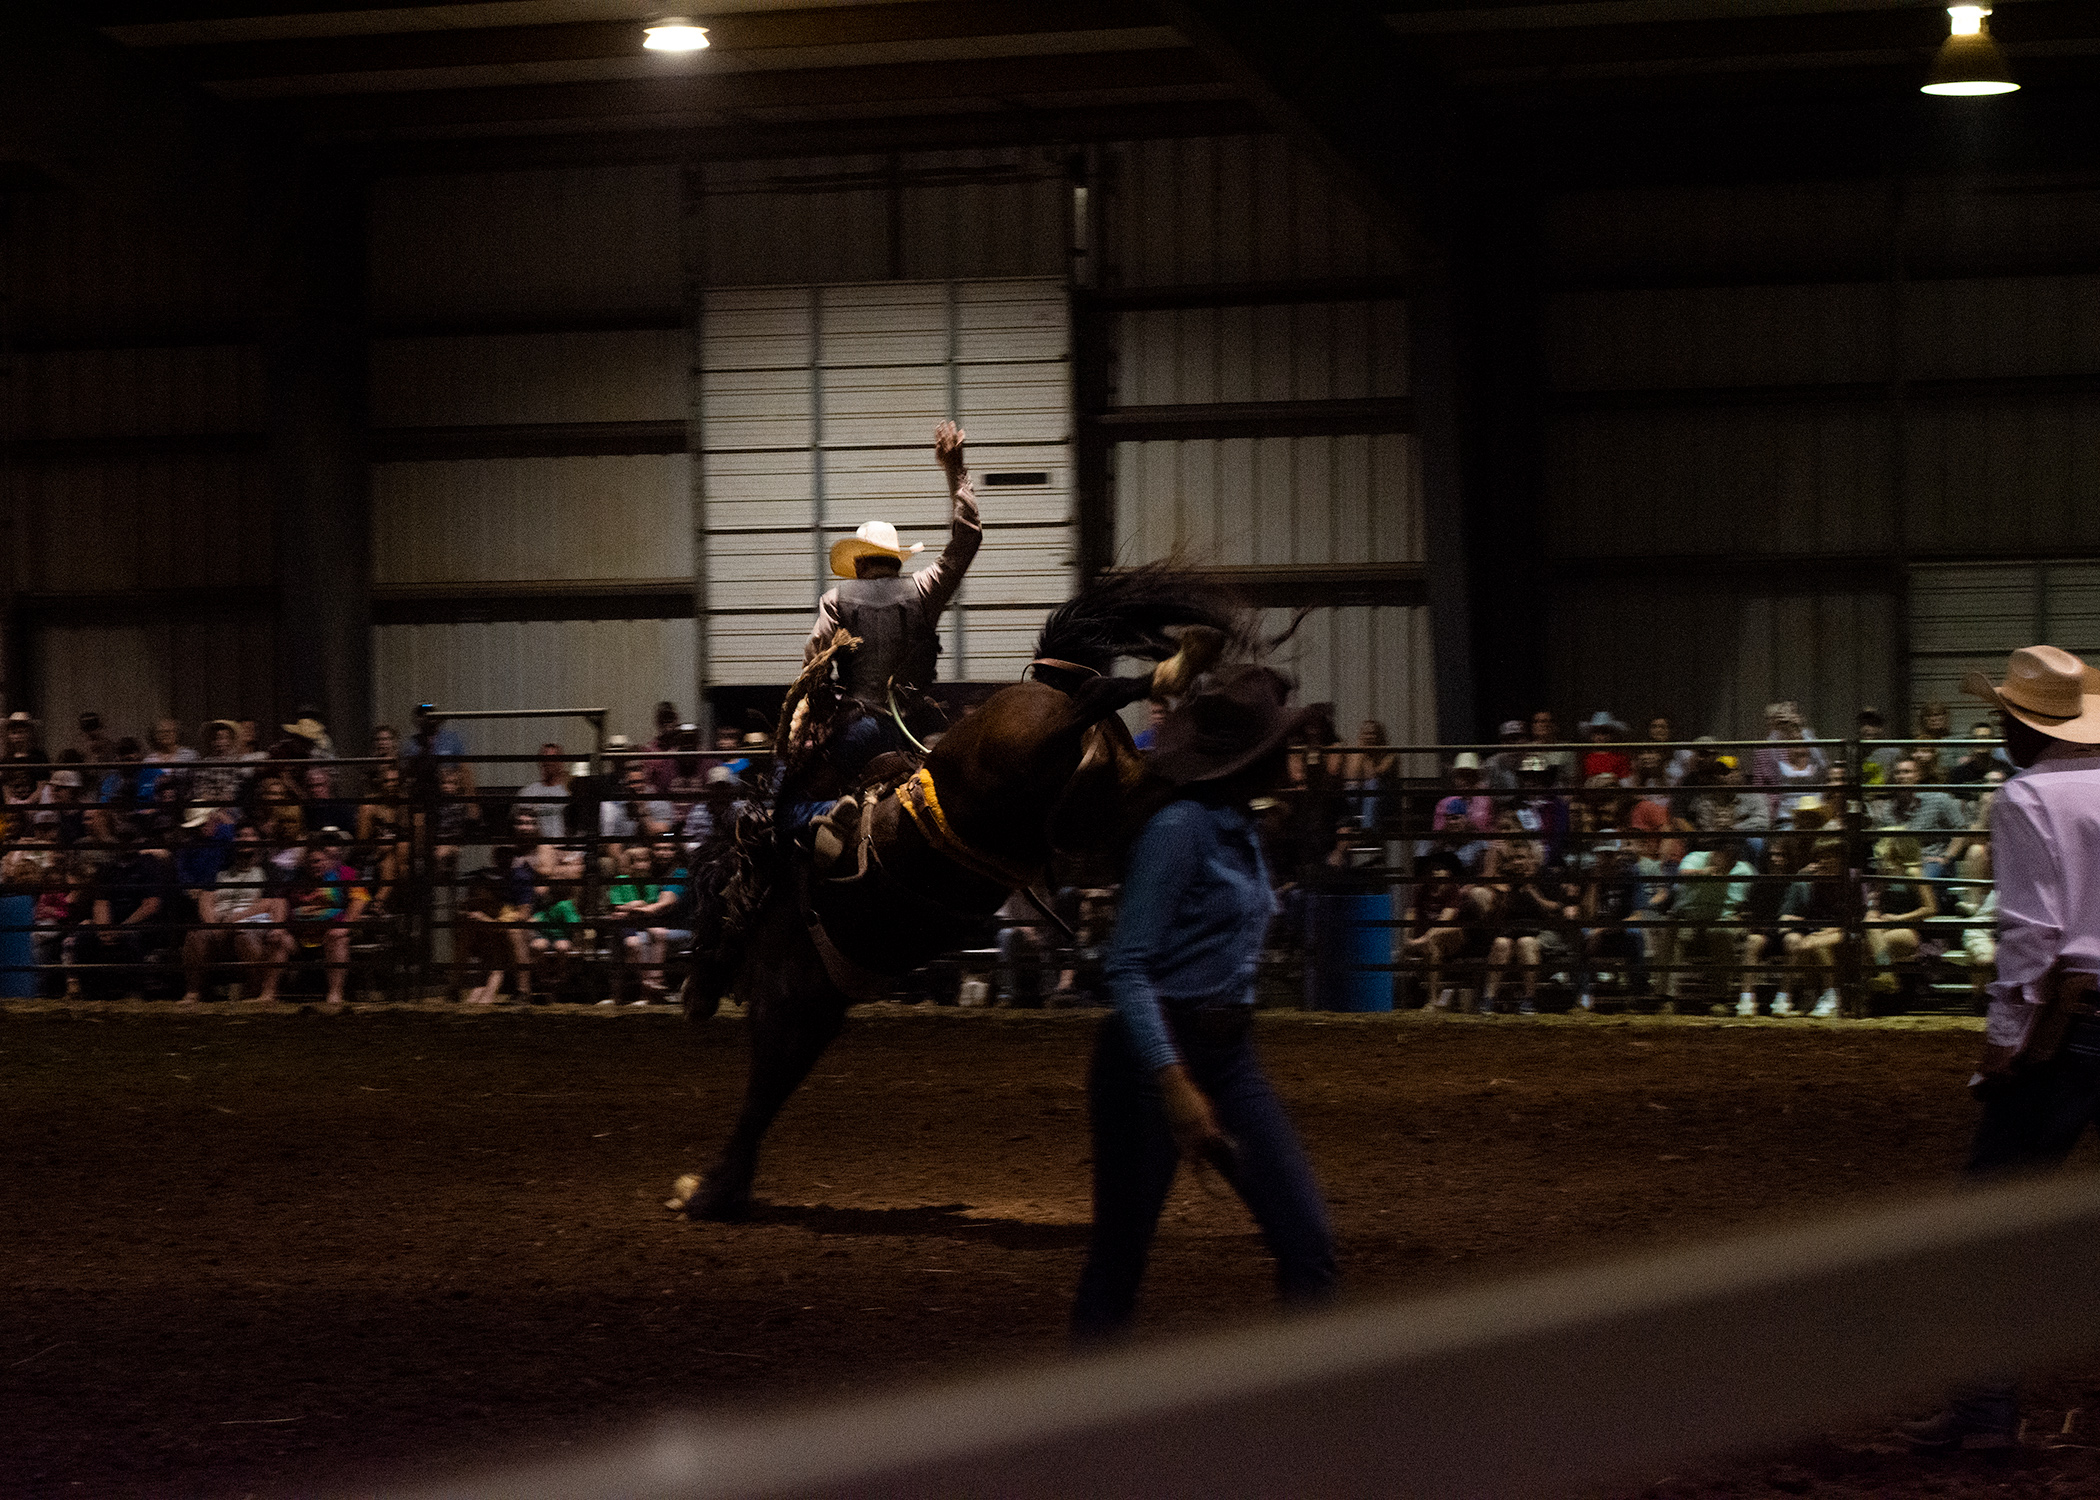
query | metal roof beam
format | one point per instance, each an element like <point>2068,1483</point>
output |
<point>715,94</point>
<point>737,36</point>
<point>96,117</point>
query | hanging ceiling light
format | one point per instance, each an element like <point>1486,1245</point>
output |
<point>1969,61</point>
<point>673,34</point>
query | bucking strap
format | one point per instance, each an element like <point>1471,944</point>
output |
<point>923,804</point>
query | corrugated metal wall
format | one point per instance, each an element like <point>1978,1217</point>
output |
<point>817,411</point>
<point>1903,372</point>
<point>927,216</point>
<point>552,252</point>
<point>1239,210</point>
<point>621,665</point>
<point>1965,617</point>
<point>535,519</point>
<point>1370,662</point>
<point>1711,654</point>
<point>525,246</point>
<point>1238,501</point>
<point>127,325</point>
<point>134,673</point>
<point>1233,209</point>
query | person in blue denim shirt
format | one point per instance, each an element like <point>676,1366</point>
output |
<point>1174,1073</point>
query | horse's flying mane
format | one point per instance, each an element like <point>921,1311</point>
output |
<point>1128,612</point>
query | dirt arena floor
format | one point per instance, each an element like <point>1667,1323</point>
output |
<point>270,1254</point>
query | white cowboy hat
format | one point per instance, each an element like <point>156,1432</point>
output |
<point>2046,688</point>
<point>874,539</point>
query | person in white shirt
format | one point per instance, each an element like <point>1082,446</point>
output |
<point>549,795</point>
<point>2039,1087</point>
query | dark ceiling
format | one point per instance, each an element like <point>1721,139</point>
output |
<point>526,76</point>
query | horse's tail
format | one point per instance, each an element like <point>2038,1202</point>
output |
<point>1129,611</point>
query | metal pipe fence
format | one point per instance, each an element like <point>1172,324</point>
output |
<point>1503,879</point>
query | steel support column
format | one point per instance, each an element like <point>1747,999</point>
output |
<point>315,364</point>
<point>1452,189</point>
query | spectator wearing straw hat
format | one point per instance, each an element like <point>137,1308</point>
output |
<point>1784,723</point>
<point>25,739</point>
<point>65,820</point>
<point>306,725</point>
<point>1466,807</point>
<point>2038,1081</point>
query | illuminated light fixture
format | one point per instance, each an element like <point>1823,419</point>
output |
<point>673,34</point>
<point>1969,62</point>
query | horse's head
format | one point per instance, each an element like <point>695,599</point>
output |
<point>1034,769</point>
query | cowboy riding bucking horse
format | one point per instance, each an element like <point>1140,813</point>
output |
<point>895,618</point>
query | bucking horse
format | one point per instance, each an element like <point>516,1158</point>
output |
<point>1043,768</point>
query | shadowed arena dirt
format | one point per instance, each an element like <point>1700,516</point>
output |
<point>273,1253</point>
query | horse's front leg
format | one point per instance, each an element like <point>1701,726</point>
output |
<point>794,1014</point>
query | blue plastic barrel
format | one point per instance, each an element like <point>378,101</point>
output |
<point>1349,951</point>
<point>17,948</point>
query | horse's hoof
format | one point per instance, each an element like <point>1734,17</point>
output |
<point>718,1206</point>
<point>700,1007</point>
<point>682,1192</point>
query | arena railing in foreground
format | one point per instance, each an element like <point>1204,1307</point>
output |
<point>1594,925</point>
<point>1549,1385</point>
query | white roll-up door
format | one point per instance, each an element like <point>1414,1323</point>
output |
<point>816,413</point>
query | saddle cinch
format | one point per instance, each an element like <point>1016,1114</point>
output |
<point>870,923</point>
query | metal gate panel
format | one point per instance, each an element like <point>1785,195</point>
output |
<point>816,412</point>
<point>756,408</point>
<point>887,323</point>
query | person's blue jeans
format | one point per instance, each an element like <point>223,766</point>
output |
<point>1135,1158</point>
<point>2031,1120</point>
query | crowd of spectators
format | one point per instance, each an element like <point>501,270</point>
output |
<point>1680,876</point>
<point>170,868</point>
<point>1605,866</point>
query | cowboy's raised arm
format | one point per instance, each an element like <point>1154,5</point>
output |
<point>937,584</point>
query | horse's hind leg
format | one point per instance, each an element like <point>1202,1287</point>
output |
<point>795,1013</point>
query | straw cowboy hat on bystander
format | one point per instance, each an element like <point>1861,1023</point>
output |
<point>2046,688</point>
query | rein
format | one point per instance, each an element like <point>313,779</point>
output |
<point>902,727</point>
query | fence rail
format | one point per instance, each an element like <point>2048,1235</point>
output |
<point>1610,916</point>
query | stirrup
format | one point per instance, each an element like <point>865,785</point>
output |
<point>833,833</point>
